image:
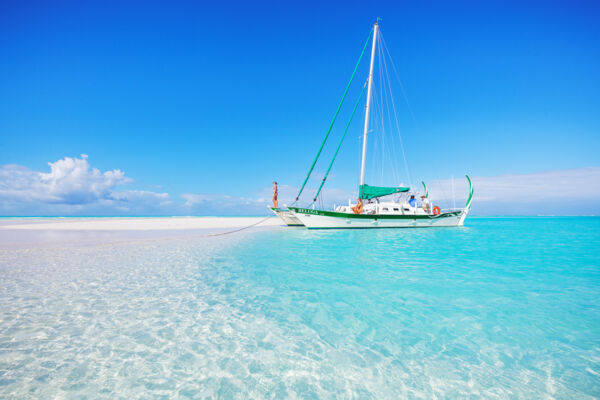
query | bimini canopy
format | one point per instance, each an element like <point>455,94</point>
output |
<point>371,192</point>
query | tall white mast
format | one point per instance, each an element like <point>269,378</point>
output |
<point>364,149</point>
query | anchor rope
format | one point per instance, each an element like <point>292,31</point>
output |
<point>240,229</point>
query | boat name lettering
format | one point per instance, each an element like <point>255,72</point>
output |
<point>308,211</point>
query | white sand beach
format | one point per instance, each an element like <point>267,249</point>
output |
<point>36,232</point>
<point>136,224</point>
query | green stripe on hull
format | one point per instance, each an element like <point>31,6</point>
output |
<point>377,227</point>
<point>372,216</point>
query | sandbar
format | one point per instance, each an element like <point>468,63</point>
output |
<point>44,232</point>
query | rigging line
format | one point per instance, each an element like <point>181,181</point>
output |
<point>389,150</point>
<point>412,114</point>
<point>382,99</point>
<point>373,165</point>
<point>379,124</point>
<point>399,135</point>
<point>385,106</point>
<point>335,116</point>
<point>378,161</point>
<point>396,120</point>
<point>374,141</point>
<point>445,196</point>
<point>387,89</point>
<point>385,151</point>
<point>453,194</point>
<point>384,148</point>
<point>357,164</point>
<point>341,140</point>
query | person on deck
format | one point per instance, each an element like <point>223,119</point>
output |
<point>275,195</point>
<point>358,208</point>
<point>412,202</point>
<point>425,203</point>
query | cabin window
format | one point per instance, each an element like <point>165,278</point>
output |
<point>395,209</point>
<point>385,209</point>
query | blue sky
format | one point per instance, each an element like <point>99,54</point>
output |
<point>193,102</point>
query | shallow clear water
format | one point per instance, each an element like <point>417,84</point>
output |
<point>502,308</point>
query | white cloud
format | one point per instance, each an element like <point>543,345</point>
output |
<point>141,195</point>
<point>563,192</point>
<point>542,192</point>
<point>287,194</point>
<point>70,181</point>
<point>71,186</point>
<point>193,199</point>
<point>221,204</point>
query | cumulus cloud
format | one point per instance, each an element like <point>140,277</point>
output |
<point>70,181</point>
<point>71,186</point>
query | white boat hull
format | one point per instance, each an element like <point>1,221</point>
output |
<point>318,219</point>
<point>286,216</point>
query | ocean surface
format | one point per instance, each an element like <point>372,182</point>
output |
<point>503,308</point>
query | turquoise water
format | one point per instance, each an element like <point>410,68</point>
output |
<point>502,308</point>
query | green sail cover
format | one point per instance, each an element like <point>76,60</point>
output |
<point>370,192</point>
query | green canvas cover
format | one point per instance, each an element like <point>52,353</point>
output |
<point>370,192</point>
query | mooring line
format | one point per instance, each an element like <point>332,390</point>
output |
<point>241,229</point>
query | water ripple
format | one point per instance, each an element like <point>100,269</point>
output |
<point>500,309</point>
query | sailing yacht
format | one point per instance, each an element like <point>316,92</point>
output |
<point>383,214</point>
<point>371,210</point>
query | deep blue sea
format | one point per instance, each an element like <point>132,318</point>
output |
<point>503,308</point>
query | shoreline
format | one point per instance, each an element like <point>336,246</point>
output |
<point>67,232</point>
<point>134,223</point>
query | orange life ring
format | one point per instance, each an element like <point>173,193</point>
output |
<point>436,210</point>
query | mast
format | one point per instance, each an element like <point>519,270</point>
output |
<point>364,149</point>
